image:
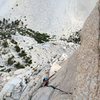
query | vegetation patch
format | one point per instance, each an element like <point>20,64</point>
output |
<point>8,28</point>
<point>17,48</point>
<point>10,60</point>
<point>1,66</point>
<point>18,65</point>
<point>22,53</point>
<point>41,38</point>
<point>13,41</point>
<point>75,38</point>
<point>5,44</point>
<point>28,60</point>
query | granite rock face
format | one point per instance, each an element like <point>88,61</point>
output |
<point>88,66</point>
<point>81,73</point>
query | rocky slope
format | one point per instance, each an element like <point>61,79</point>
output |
<point>17,83</point>
<point>24,59</point>
<point>79,77</point>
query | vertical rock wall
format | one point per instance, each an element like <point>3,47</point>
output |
<point>88,66</point>
<point>81,73</point>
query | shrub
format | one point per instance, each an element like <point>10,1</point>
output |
<point>13,41</point>
<point>28,60</point>
<point>17,48</point>
<point>16,4</point>
<point>4,34</point>
<point>5,44</point>
<point>18,65</point>
<point>41,38</point>
<point>22,54</point>
<point>75,38</point>
<point>30,48</point>
<point>10,60</point>
<point>1,66</point>
<point>2,70</point>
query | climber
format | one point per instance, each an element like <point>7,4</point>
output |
<point>46,79</point>
<point>45,82</point>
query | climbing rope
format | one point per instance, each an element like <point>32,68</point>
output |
<point>59,89</point>
<point>43,85</point>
